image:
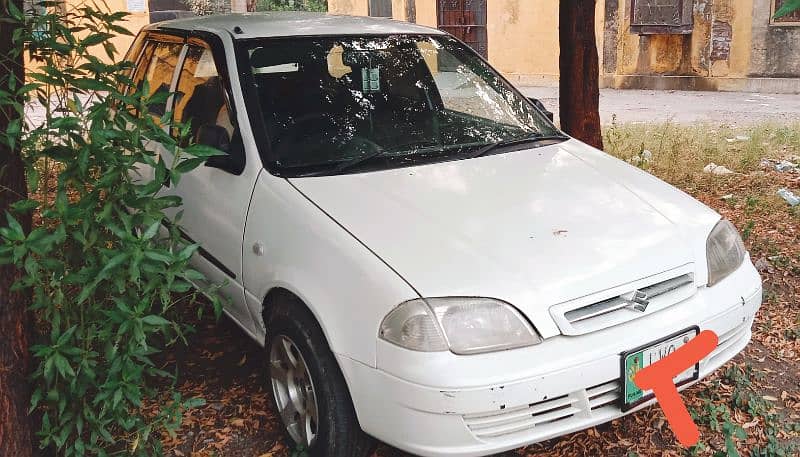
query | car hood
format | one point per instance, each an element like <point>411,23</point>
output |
<point>534,227</point>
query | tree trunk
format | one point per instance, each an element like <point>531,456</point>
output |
<point>15,322</point>
<point>411,10</point>
<point>579,68</point>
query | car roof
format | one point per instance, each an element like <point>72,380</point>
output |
<point>288,24</point>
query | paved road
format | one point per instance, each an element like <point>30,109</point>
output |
<point>685,107</point>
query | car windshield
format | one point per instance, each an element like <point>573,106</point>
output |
<point>343,104</point>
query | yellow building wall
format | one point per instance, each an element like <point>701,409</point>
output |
<point>426,13</point>
<point>718,25</point>
<point>350,7</point>
<point>731,39</point>
<point>134,22</point>
<point>732,46</point>
<point>523,39</point>
<point>522,34</point>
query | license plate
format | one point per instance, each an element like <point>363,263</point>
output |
<point>635,360</point>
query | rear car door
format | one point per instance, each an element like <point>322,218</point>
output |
<point>215,196</point>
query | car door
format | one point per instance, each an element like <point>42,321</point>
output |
<point>215,198</point>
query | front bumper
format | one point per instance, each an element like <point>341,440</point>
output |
<point>439,404</point>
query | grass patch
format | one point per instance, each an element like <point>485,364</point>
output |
<point>678,153</point>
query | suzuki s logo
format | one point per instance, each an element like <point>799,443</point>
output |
<point>639,301</point>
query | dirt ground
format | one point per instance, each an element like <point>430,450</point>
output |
<point>684,107</point>
<point>750,407</point>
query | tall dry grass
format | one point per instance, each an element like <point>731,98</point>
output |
<point>679,152</point>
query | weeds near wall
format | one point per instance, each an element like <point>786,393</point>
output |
<point>106,279</point>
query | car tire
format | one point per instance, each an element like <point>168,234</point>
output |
<point>293,333</point>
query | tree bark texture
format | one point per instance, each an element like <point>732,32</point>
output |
<point>579,68</point>
<point>15,321</point>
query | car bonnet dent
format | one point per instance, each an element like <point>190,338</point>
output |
<point>535,227</point>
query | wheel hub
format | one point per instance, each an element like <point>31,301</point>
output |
<point>293,390</point>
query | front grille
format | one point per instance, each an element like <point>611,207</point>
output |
<point>603,395</point>
<point>624,301</point>
<point>544,415</point>
<point>587,315</point>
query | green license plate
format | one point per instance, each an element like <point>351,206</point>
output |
<point>635,360</point>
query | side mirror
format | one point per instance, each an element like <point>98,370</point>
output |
<point>540,106</point>
<point>217,137</point>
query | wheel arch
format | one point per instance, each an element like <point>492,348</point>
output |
<point>279,294</point>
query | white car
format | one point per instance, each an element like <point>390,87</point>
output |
<point>427,259</point>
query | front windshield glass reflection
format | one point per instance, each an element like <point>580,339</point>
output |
<point>347,104</point>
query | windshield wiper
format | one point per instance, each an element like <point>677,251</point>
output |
<point>352,163</point>
<point>378,153</point>
<point>480,152</point>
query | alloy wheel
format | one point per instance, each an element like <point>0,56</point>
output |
<point>293,390</point>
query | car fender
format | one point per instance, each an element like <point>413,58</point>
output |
<point>292,244</point>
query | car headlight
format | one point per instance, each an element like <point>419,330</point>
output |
<point>725,251</point>
<point>464,325</point>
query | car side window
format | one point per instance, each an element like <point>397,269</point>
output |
<point>158,73</point>
<point>132,57</point>
<point>137,77</point>
<point>200,100</point>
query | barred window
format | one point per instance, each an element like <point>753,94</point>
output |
<point>790,19</point>
<point>651,17</point>
<point>380,8</point>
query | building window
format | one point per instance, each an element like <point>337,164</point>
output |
<point>380,8</point>
<point>653,17</point>
<point>790,19</point>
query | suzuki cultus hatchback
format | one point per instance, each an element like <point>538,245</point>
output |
<point>426,258</point>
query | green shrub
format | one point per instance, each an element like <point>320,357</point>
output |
<point>107,283</point>
<point>291,5</point>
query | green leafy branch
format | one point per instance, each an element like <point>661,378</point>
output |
<point>787,8</point>
<point>108,280</point>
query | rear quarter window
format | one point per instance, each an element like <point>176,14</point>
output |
<point>156,68</point>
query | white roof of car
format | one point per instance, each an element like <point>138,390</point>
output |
<point>287,24</point>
